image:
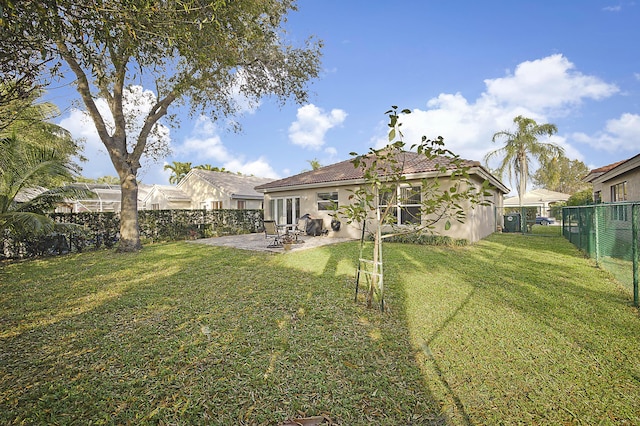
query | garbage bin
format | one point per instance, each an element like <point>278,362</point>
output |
<point>512,222</point>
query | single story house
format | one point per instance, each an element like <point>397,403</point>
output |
<point>542,199</point>
<point>222,190</point>
<point>165,197</point>
<point>199,189</point>
<point>616,182</point>
<point>317,192</point>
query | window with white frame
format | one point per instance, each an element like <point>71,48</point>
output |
<point>619,194</point>
<point>327,200</point>
<point>242,204</point>
<point>216,205</point>
<point>407,207</point>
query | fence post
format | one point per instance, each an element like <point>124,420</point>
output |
<point>596,221</point>
<point>580,225</point>
<point>634,246</point>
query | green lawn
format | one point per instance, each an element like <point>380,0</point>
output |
<point>514,329</point>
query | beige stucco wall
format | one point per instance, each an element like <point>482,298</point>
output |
<point>249,204</point>
<point>202,192</point>
<point>156,197</point>
<point>480,222</point>
<point>633,186</point>
<point>309,204</point>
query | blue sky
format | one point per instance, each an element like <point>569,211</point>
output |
<point>465,69</point>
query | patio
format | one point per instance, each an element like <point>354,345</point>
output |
<point>258,242</point>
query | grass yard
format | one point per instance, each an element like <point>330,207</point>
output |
<point>514,329</point>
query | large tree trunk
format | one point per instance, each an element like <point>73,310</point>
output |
<point>129,231</point>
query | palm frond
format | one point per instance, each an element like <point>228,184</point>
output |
<point>22,222</point>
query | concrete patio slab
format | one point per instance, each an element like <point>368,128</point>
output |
<point>258,242</point>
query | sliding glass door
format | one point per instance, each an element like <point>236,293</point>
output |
<point>286,210</point>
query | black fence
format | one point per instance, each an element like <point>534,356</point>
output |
<point>96,230</point>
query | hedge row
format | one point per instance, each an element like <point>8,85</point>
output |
<point>95,230</point>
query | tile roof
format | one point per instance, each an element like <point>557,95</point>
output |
<point>606,168</point>
<point>536,196</point>
<point>238,185</point>
<point>172,193</point>
<point>345,171</point>
<point>595,173</point>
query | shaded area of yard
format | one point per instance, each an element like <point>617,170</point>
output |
<point>522,329</point>
<point>190,334</point>
<point>514,329</point>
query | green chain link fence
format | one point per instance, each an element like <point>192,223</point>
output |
<point>608,233</point>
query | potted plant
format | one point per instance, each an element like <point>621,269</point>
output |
<point>335,222</point>
<point>287,240</point>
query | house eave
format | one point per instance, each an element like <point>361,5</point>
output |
<point>479,171</point>
<point>246,197</point>
<point>311,185</point>
<point>627,166</point>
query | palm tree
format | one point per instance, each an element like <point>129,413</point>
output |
<point>23,167</point>
<point>178,171</point>
<point>210,168</point>
<point>315,164</point>
<point>520,148</point>
<point>35,154</point>
<point>29,121</point>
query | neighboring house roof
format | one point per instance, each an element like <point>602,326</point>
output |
<point>106,192</point>
<point>105,196</point>
<point>611,171</point>
<point>415,165</point>
<point>171,193</point>
<point>595,173</point>
<point>238,186</point>
<point>537,197</point>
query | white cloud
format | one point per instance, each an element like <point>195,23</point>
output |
<point>312,125</point>
<point>546,85</point>
<point>331,151</point>
<point>543,89</point>
<point>617,8</point>
<point>205,144</point>
<point>136,105</point>
<point>259,167</point>
<point>81,127</point>
<point>619,134</point>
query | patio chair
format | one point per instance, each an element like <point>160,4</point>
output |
<point>271,232</point>
<point>300,228</point>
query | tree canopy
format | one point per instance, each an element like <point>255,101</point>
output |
<point>110,180</point>
<point>26,121</point>
<point>178,170</point>
<point>561,174</point>
<point>520,148</point>
<point>204,53</point>
<point>581,198</point>
<point>36,162</point>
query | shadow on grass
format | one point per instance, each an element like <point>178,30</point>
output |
<point>515,329</point>
<point>192,334</point>
<point>519,329</point>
